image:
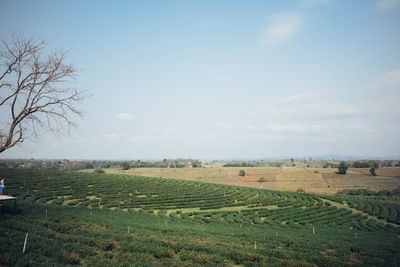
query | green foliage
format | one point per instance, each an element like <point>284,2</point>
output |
<point>367,192</point>
<point>125,165</point>
<point>242,173</point>
<point>196,164</point>
<point>342,168</point>
<point>368,164</point>
<point>361,164</point>
<point>99,237</point>
<point>181,223</point>
<point>89,165</point>
<point>373,203</point>
<point>238,164</point>
<point>106,165</point>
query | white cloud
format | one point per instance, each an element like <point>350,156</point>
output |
<point>320,105</point>
<point>329,110</point>
<point>299,131</point>
<point>124,116</point>
<point>282,28</point>
<point>387,5</point>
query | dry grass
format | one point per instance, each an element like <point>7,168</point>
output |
<point>316,180</point>
<point>386,179</point>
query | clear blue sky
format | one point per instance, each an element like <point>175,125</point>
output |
<point>222,79</point>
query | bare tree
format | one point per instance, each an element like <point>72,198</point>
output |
<point>35,92</point>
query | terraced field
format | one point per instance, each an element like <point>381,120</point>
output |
<point>247,214</point>
<point>384,208</point>
<point>193,200</point>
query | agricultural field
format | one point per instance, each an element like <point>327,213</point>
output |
<point>385,208</point>
<point>313,180</point>
<point>114,219</point>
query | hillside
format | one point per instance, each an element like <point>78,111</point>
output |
<point>103,219</point>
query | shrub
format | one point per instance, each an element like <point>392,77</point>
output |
<point>98,170</point>
<point>342,168</point>
<point>125,165</point>
<point>242,173</point>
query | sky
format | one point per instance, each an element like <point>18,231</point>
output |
<point>221,79</point>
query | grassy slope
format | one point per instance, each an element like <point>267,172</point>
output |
<point>99,237</point>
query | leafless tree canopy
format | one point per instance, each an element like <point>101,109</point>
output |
<point>35,92</point>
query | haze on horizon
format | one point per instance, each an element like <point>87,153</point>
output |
<point>221,79</point>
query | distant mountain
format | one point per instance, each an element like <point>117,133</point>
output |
<point>317,157</point>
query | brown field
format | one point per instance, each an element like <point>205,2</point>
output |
<point>315,180</point>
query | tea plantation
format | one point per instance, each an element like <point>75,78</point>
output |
<point>116,220</point>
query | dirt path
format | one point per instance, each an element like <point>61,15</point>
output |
<point>356,211</point>
<point>323,181</point>
<point>320,177</point>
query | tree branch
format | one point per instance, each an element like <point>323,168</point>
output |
<point>38,94</point>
